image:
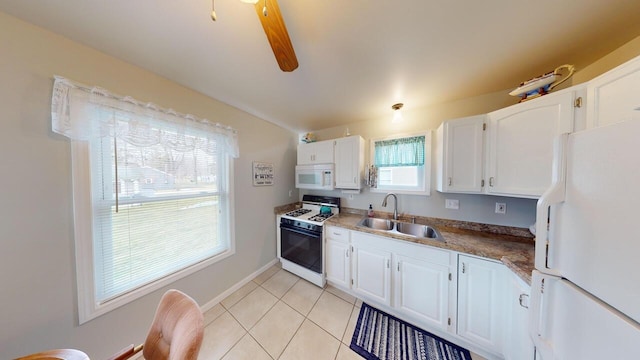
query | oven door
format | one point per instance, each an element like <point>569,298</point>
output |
<point>301,246</point>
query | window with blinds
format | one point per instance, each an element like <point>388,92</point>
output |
<point>403,164</point>
<point>152,193</point>
<point>156,211</point>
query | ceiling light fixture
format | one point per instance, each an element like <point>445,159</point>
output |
<point>397,114</point>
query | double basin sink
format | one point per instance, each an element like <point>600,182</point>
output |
<point>392,226</point>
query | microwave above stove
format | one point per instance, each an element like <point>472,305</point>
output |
<point>318,176</point>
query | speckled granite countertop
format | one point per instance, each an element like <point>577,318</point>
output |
<point>516,252</point>
<point>514,247</point>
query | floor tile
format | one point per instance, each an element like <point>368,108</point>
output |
<point>220,336</point>
<point>311,342</point>
<point>280,283</point>
<point>332,314</point>
<point>237,295</point>
<point>302,296</point>
<point>475,356</point>
<point>341,294</point>
<point>351,326</point>
<point>247,349</point>
<point>345,353</point>
<point>274,331</point>
<point>213,314</point>
<point>252,307</point>
<point>358,303</point>
<point>267,274</point>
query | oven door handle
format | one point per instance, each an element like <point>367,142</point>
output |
<point>300,231</point>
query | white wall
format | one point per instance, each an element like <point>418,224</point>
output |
<point>37,281</point>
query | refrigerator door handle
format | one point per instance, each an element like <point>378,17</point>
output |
<point>554,195</point>
<point>537,322</point>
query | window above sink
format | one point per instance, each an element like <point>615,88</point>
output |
<point>402,163</point>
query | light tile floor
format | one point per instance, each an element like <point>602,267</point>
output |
<point>280,316</point>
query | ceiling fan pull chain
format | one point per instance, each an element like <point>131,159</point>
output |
<point>213,12</point>
<point>264,9</point>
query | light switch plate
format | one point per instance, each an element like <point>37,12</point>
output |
<point>451,204</point>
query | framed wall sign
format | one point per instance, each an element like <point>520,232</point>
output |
<point>262,173</point>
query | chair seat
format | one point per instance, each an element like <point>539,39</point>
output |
<point>57,354</point>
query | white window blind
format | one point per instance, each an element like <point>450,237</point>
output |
<point>157,201</point>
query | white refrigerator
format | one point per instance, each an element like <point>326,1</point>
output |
<point>585,291</point>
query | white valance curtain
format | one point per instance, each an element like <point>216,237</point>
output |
<point>81,112</point>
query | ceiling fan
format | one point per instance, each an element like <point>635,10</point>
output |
<point>269,14</point>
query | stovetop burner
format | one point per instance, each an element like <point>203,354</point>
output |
<point>298,212</point>
<point>320,217</point>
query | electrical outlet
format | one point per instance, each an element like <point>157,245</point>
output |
<point>501,208</point>
<point>290,193</point>
<point>451,204</point>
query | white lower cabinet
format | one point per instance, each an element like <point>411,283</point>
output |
<point>418,284</point>
<point>422,291</point>
<point>338,256</point>
<point>480,305</point>
<point>371,272</point>
<point>517,342</point>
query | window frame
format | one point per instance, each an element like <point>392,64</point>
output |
<point>88,306</point>
<point>425,187</point>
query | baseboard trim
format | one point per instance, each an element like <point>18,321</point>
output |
<point>216,300</point>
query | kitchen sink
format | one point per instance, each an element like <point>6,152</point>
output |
<point>418,230</point>
<point>390,226</point>
<point>376,223</point>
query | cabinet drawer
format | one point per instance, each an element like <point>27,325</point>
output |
<point>336,233</point>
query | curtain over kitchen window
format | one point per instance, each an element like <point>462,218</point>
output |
<point>152,192</point>
<point>407,151</point>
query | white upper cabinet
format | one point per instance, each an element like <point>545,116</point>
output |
<point>459,155</point>
<point>320,152</point>
<point>520,144</point>
<point>615,95</point>
<point>349,162</point>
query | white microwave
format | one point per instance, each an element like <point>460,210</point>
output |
<point>319,176</point>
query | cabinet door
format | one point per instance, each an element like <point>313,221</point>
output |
<point>349,162</point>
<point>421,291</point>
<point>462,155</point>
<point>479,302</point>
<point>615,95</point>
<point>320,152</point>
<point>338,262</point>
<point>520,144</point>
<point>517,342</point>
<point>372,273</point>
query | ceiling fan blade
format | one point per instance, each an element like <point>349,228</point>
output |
<point>276,32</point>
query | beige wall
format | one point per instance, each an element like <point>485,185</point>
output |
<point>38,292</point>
<point>617,57</point>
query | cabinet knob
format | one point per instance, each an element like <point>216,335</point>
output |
<point>491,181</point>
<point>449,181</point>
<point>523,303</point>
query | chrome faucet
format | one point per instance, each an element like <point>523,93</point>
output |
<point>395,204</point>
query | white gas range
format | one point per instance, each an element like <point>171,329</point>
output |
<point>300,245</point>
